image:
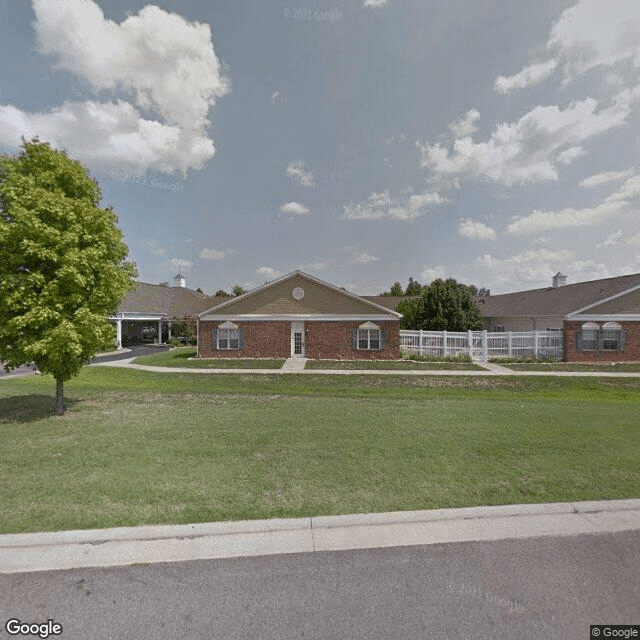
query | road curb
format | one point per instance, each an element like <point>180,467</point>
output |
<point>45,551</point>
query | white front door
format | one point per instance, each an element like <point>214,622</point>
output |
<point>297,339</point>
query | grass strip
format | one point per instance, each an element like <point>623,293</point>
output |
<point>391,365</point>
<point>179,357</point>
<point>137,447</point>
<point>613,367</point>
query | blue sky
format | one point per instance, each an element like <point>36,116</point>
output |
<point>363,141</point>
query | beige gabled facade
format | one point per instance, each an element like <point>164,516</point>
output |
<point>299,315</point>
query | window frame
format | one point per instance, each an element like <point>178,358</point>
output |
<point>592,330</point>
<point>369,337</point>
<point>611,333</point>
<point>228,337</point>
<point>592,337</point>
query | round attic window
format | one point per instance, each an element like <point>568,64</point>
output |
<point>298,293</point>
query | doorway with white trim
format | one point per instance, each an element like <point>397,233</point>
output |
<point>297,340</point>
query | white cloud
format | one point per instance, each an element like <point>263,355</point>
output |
<point>628,192</point>
<point>569,155</point>
<point>315,266</point>
<point>611,240</point>
<point>429,274</point>
<point>526,151</point>
<point>294,208</point>
<point>179,265</point>
<point>277,97</point>
<point>165,64</point>
<point>363,258</point>
<point>213,254</point>
<point>156,250</point>
<point>299,171</point>
<point>374,3</point>
<point>634,240</point>
<point>618,203</point>
<point>604,178</point>
<point>469,228</point>
<point>527,267</point>
<point>467,125</point>
<point>597,33</point>
<point>590,34</point>
<point>538,221</point>
<point>381,205</point>
<point>110,137</point>
<point>268,272</point>
<point>531,74</point>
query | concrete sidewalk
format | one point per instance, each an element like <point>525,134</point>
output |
<point>174,543</point>
<point>490,370</point>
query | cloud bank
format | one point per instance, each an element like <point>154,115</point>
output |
<point>162,75</point>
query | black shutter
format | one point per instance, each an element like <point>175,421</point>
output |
<point>354,338</point>
<point>579,340</point>
<point>600,339</point>
<point>241,343</point>
<point>621,332</point>
<point>215,340</point>
<point>383,339</point>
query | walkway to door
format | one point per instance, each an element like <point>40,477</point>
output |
<point>294,364</point>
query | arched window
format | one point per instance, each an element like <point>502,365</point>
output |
<point>588,337</point>
<point>368,336</point>
<point>228,336</point>
<point>612,336</point>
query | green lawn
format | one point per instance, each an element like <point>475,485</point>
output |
<point>397,365</point>
<point>624,367</point>
<point>179,357</point>
<point>136,447</point>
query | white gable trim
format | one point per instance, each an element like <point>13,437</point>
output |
<point>605,317</point>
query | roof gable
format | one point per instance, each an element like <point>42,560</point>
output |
<point>626,303</point>
<point>298,294</point>
<point>174,302</point>
<point>551,301</point>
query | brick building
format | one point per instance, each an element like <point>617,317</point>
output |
<point>606,331</point>
<point>600,319</point>
<point>299,316</point>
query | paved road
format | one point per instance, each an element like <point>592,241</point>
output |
<point>551,587</point>
<point>25,370</point>
<point>134,352</point>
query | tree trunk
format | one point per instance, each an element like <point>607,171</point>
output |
<point>59,400</point>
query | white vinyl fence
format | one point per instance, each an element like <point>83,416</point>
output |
<point>483,345</point>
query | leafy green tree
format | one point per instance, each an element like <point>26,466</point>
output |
<point>396,290</point>
<point>221,293</point>
<point>238,290</point>
<point>414,288</point>
<point>186,327</point>
<point>62,264</point>
<point>445,305</point>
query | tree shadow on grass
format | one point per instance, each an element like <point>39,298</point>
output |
<point>29,408</point>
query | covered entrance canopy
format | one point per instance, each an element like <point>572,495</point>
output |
<point>136,328</point>
<point>148,311</point>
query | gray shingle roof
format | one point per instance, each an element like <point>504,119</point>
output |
<point>175,302</point>
<point>554,302</point>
